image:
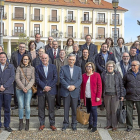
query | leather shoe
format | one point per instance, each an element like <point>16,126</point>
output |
<point>64,128</point>
<point>108,127</point>
<point>128,129</point>
<point>114,129</point>
<point>89,127</point>
<point>74,128</point>
<point>8,129</point>
<point>41,127</point>
<point>53,128</point>
<point>94,129</point>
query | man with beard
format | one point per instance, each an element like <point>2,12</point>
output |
<point>103,57</point>
<point>133,54</point>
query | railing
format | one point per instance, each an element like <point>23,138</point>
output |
<point>4,16</point>
<point>18,17</point>
<point>68,35</point>
<point>84,35</point>
<point>35,32</point>
<point>54,19</point>
<point>15,33</point>
<point>70,20</point>
<point>101,21</point>
<point>120,35</point>
<point>37,18</point>
<point>118,22</point>
<point>86,21</point>
<point>5,33</point>
<point>101,36</point>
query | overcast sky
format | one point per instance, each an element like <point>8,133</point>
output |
<point>131,29</point>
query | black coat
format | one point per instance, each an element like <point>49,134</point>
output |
<point>100,62</point>
<point>118,84</point>
<point>132,86</point>
<point>136,57</point>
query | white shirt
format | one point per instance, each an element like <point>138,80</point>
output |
<point>2,67</point>
<point>56,51</point>
<point>71,71</point>
<point>88,90</point>
<point>88,47</point>
<point>45,70</point>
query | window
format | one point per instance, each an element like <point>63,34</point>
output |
<point>101,17</point>
<point>19,28</point>
<point>83,1</point>
<point>113,32</point>
<point>70,15</point>
<point>117,19</point>
<point>53,29</point>
<point>54,15</point>
<point>86,31</point>
<point>36,28</point>
<point>97,2</point>
<point>86,16</point>
<point>101,33</point>
<point>19,13</point>
<point>36,14</point>
<point>70,31</point>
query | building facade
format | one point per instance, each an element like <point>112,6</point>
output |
<point>61,19</point>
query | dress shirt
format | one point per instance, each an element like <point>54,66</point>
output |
<point>88,90</point>
<point>56,51</point>
<point>2,67</point>
<point>126,67</point>
<point>45,70</point>
<point>105,57</point>
<point>71,71</point>
<point>88,47</point>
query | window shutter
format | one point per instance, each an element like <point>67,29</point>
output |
<point>19,12</point>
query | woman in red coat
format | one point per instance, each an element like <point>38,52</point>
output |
<point>91,91</point>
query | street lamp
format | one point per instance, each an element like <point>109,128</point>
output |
<point>115,6</point>
<point>1,11</point>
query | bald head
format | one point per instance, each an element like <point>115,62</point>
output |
<point>45,59</point>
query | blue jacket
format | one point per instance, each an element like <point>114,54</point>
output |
<point>42,81</point>
<point>66,80</point>
<point>92,49</point>
<point>7,78</point>
<point>100,62</point>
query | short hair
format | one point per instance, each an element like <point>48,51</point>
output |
<point>69,40</point>
<point>121,38</point>
<point>135,42</point>
<point>50,36</point>
<point>109,38</point>
<point>41,49</point>
<point>104,44</point>
<point>62,50</point>
<point>133,47</point>
<point>124,53</point>
<point>85,49</point>
<point>76,44</point>
<point>55,41</point>
<point>21,43</point>
<point>72,55</point>
<point>1,47</point>
<point>93,66</point>
<point>29,44</point>
<point>4,54</point>
<point>138,63</point>
<point>110,62</point>
<point>37,34</point>
<point>88,35</point>
<point>21,62</point>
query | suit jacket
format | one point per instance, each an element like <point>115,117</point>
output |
<point>47,47</point>
<point>66,80</point>
<point>51,56</point>
<point>92,49</point>
<point>42,80</point>
<point>100,62</point>
<point>57,62</point>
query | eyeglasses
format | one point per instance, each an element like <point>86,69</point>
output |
<point>44,58</point>
<point>125,56</point>
<point>25,59</point>
<point>21,47</point>
<point>89,67</point>
<point>110,66</point>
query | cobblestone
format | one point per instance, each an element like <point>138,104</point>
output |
<point>51,135</point>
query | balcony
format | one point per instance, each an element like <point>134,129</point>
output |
<point>36,18</point>
<point>4,33</point>
<point>101,36</point>
<point>54,19</point>
<point>4,16</point>
<point>35,32</point>
<point>17,34</point>
<point>69,35</point>
<point>84,35</point>
<point>86,21</point>
<point>16,17</point>
<point>70,20</point>
<point>101,21</point>
<point>120,35</point>
<point>118,22</point>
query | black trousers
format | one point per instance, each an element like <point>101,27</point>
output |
<point>58,97</point>
<point>70,102</point>
<point>41,108</point>
<point>15,97</point>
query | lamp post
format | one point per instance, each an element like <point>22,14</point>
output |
<point>115,6</point>
<point>1,11</point>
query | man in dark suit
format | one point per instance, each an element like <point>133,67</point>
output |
<point>70,79</point>
<point>49,45</point>
<point>91,47</point>
<point>46,79</point>
<point>54,52</point>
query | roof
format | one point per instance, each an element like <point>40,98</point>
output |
<point>74,3</point>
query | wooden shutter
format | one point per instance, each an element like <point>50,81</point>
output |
<point>19,12</point>
<point>53,27</point>
<point>54,15</point>
<point>101,31</point>
<point>18,24</point>
<point>70,31</point>
<point>37,12</point>
<point>86,31</point>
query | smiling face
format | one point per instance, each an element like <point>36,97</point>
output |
<point>26,60</point>
<point>3,59</point>
<point>88,39</point>
<point>125,57</point>
<point>22,48</point>
<point>45,59</point>
<point>89,68</point>
<point>71,61</point>
<point>110,68</point>
<point>37,38</point>
<point>133,52</point>
<point>104,48</point>
<point>135,66</point>
<point>55,45</point>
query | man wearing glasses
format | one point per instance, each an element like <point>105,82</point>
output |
<point>15,60</point>
<point>133,54</point>
<point>132,85</point>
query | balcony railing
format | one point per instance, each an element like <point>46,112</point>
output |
<point>84,35</point>
<point>69,35</point>
<point>54,19</point>
<point>86,21</point>
<point>4,16</point>
<point>4,32</point>
<point>70,20</point>
<point>101,36</point>
<point>118,22</point>
<point>37,18</point>
<point>15,33</point>
<point>119,35</point>
<point>18,17</point>
<point>101,21</point>
<point>33,33</point>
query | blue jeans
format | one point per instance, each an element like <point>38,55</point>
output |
<point>93,113</point>
<point>5,101</point>
<point>24,100</point>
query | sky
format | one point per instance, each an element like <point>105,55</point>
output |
<point>131,28</point>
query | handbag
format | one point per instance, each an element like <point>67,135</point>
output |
<point>34,87</point>
<point>82,116</point>
<point>121,113</point>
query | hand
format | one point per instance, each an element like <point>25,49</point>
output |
<point>2,88</point>
<point>47,88</point>
<point>71,88</point>
<point>25,90</point>
<point>97,99</point>
<point>122,98</point>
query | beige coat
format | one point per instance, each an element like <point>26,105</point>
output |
<point>68,50</point>
<point>57,62</point>
<point>21,82</point>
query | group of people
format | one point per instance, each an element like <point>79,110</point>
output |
<point>78,75</point>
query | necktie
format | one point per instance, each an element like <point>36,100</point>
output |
<point>54,54</point>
